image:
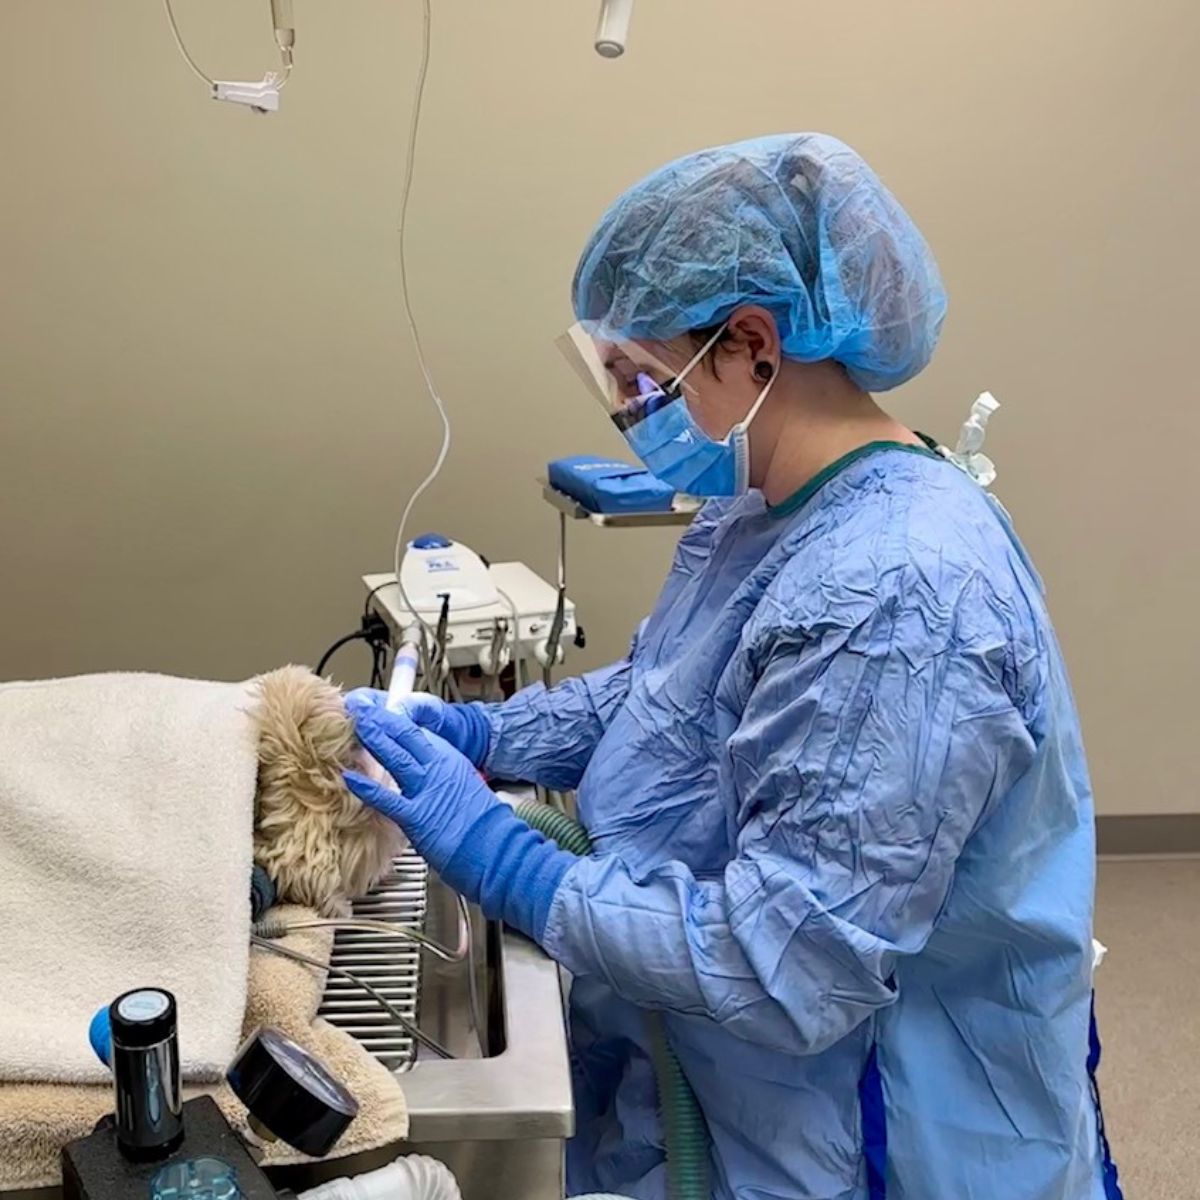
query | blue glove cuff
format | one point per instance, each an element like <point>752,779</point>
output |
<point>510,870</point>
<point>476,732</point>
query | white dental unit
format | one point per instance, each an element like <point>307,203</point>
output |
<point>492,615</point>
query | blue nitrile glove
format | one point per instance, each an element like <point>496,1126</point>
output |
<point>464,726</point>
<point>474,841</point>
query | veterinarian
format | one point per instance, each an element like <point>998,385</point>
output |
<point>841,814</point>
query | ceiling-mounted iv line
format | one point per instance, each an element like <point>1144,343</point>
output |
<point>261,96</point>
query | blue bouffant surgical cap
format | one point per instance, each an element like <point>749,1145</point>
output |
<point>797,223</point>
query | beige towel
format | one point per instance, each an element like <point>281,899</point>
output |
<point>126,825</point>
<point>37,1119</point>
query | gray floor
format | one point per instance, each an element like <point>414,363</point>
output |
<point>1148,1007</point>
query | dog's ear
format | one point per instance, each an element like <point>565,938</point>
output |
<point>368,847</point>
<point>298,848</point>
<point>318,843</point>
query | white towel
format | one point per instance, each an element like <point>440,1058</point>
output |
<point>126,823</point>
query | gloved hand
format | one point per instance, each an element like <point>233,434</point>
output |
<point>474,841</point>
<point>464,726</point>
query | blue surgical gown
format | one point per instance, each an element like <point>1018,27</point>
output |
<point>844,842</point>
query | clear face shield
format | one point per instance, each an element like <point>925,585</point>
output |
<point>649,398</point>
<point>630,380</point>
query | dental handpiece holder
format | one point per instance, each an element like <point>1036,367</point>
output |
<point>155,1146</point>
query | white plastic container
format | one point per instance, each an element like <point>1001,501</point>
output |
<point>413,1177</point>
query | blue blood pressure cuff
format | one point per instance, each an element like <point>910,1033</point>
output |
<point>605,485</point>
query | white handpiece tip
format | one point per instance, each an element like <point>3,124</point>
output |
<point>612,33</point>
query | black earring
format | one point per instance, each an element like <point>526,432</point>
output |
<point>763,371</point>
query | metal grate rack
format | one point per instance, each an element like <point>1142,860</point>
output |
<point>391,965</point>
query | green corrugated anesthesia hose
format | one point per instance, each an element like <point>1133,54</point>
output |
<point>684,1130</point>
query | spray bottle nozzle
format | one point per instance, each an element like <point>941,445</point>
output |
<point>970,441</point>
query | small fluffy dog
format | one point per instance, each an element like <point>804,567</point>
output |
<point>320,844</point>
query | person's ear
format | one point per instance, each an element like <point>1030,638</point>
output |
<point>754,337</point>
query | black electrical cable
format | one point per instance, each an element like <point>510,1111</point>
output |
<point>358,636</point>
<point>376,634</point>
<point>379,651</point>
<point>379,664</point>
<point>372,593</point>
<point>439,645</point>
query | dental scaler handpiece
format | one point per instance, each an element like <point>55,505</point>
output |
<point>404,672</point>
<point>145,1066</point>
<point>404,677</point>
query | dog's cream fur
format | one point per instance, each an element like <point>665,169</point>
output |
<point>318,843</point>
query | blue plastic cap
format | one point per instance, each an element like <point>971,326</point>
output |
<point>100,1036</point>
<point>430,541</point>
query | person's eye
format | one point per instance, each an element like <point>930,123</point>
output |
<point>624,380</point>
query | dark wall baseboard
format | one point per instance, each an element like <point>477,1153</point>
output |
<point>1168,833</point>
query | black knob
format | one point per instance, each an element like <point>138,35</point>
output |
<point>145,1062</point>
<point>580,637</point>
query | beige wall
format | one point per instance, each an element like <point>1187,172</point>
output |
<point>211,417</point>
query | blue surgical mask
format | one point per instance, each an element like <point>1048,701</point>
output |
<point>676,450</point>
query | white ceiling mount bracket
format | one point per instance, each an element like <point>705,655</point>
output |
<point>261,97</point>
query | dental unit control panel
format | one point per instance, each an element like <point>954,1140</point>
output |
<point>495,613</point>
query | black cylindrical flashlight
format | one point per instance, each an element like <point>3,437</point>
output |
<point>145,1066</point>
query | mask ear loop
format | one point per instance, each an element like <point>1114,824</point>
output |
<point>739,437</point>
<point>744,424</point>
<point>674,385</point>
